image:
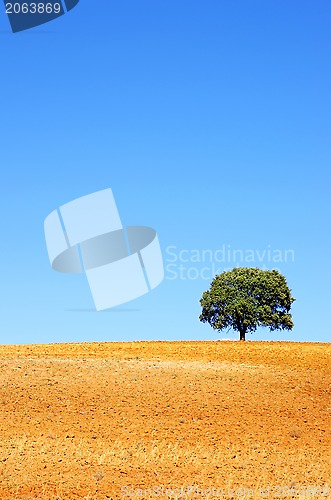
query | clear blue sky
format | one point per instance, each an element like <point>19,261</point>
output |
<point>211,122</point>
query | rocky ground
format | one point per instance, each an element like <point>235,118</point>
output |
<point>165,420</point>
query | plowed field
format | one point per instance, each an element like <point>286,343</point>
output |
<point>165,420</point>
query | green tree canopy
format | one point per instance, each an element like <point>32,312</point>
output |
<point>245,298</point>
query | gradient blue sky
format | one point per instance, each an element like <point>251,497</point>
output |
<point>211,122</point>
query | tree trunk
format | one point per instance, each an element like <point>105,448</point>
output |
<point>242,334</point>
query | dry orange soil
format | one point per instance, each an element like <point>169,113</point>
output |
<point>151,419</point>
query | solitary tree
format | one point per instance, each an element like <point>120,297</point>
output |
<point>245,298</point>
